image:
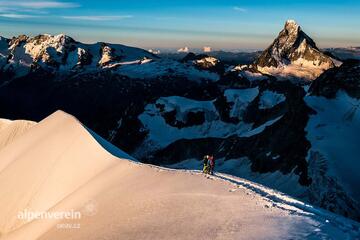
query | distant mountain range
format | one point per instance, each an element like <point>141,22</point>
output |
<point>345,53</point>
<point>229,58</point>
<point>287,117</point>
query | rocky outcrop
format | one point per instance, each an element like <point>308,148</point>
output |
<point>204,62</point>
<point>346,77</point>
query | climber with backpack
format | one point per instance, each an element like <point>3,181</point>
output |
<point>211,164</point>
<point>206,166</point>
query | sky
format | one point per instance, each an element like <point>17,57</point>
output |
<point>221,24</point>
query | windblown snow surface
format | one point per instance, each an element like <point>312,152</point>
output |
<point>58,165</point>
<point>11,130</point>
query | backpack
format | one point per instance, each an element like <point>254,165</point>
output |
<point>206,159</point>
<point>211,161</point>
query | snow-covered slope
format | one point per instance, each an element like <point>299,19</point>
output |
<point>165,68</point>
<point>334,131</point>
<point>269,99</point>
<point>11,130</point>
<point>334,155</point>
<point>294,54</point>
<point>57,166</point>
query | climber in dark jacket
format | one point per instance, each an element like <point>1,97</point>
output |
<point>211,164</point>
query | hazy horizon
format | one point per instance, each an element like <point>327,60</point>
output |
<point>241,25</point>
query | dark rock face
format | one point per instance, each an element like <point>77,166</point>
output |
<point>291,45</point>
<point>228,58</point>
<point>192,56</point>
<point>16,41</point>
<point>346,77</point>
<point>223,107</point>
<point>85,58</point>
<point>192,119</point>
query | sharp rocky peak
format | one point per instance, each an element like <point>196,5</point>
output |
<point>293,46</point>
<point>60,38</point>
<point>292,26</point>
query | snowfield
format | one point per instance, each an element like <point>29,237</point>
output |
<point>165,67</point>
<point>252,76</point>
<point>241,98</point>
<point>334,133</point>
<point>58,165</point>
<point>293,72</point>
<point>270,99</point>
<point>11,130</point>
<point>161,133</point>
